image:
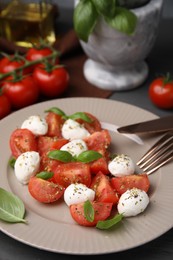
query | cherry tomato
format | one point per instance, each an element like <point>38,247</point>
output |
<point>52,84</point>
<point>5,106</point>
<point>92,127</point>
<point>99,165</point>
<point>12,62</point>
<point>55,123</point>
<point>161,92</point>
<point>22,92</point>
<point>45,191</point>
<point>103,189</point>
<point>72,172</point>
<point>98,141</point>
<point>122,184</point>
<point>36,53</point>
<point>22,140</point>
<point>102,212</point>
<point>48,143</point>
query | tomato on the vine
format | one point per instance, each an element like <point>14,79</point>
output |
<point>11,62</point>
<point>161,92</point>
<point>21,92</point>
<point>51,82</point>
<point>39,52</point>
<point>5,106</point>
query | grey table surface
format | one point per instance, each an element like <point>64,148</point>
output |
<point>160,61</point>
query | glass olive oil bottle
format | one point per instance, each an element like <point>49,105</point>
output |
<point>24,23</point>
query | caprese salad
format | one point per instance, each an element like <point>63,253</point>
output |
<point>67,157</point>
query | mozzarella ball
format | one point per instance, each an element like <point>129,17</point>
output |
<point>121,165</point>
<point>78,193</point>
<point>73,130</point>
<point>133,202</point>
<point>26,166</point>
<point>36,125</point>
<point>75,147</point>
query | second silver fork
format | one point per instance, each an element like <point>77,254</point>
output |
<point>158,155</point>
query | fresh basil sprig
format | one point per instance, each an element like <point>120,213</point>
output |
<point>123,20</point>
<point>77,115</point>
<point>104,224</point>
<point>108,223</point>
<point>88,156</point>
<point>56,110</point>
<point>64,156</point>
<point>12,162</point>
<point>88,12</point>
<point>12,208</point>
<point>44,175</point>
<point>89,211</point>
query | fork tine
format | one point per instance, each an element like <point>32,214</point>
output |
<point>158,155</point>
<point>159,152</point>
<point>166,160</point>
<point>161,141</point>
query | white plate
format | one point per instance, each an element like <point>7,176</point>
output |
<point>50,227</point>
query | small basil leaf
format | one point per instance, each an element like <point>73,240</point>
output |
<point>84,19</point>
<point>88,156</point>
<point>60,155</point>
<point>44,175</point>
<point>12,162</point>
<point>11,207</point>
<point>106,8</point>
<point>106,224</point>
<point>124,20</point>
<point>81,115</point>
<point>56,110</point>
<point>89,211</point>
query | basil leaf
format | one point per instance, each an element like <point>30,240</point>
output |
<point>44,175</point>
<point>88,156</point>
<point>60,155</point>
<point>84,19</point>
<point>106,8</point>
<point>81,115</point>
<point>11,207</point>
<point>56,110</point>
<point>12,162</point>
<point>89,211</point>
<point>106,224</point>
<point>124,20</point>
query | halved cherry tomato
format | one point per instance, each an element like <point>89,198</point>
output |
<point>98,141</point>
<point>99,165</point>
<point>92,127</point>
<point>22,140</point>
<point>48,143</point>
<point>44,190</point>
<point>102,212</point>
<point>48,164</point>
<point>103,189</point>
<point>45,145</point>
<point>122,184</point>
<point>73,172</point>
<point>55,123</point>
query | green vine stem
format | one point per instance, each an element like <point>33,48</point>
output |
<point>30,63</point>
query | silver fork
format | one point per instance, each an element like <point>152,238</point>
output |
<point>158,155</point>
